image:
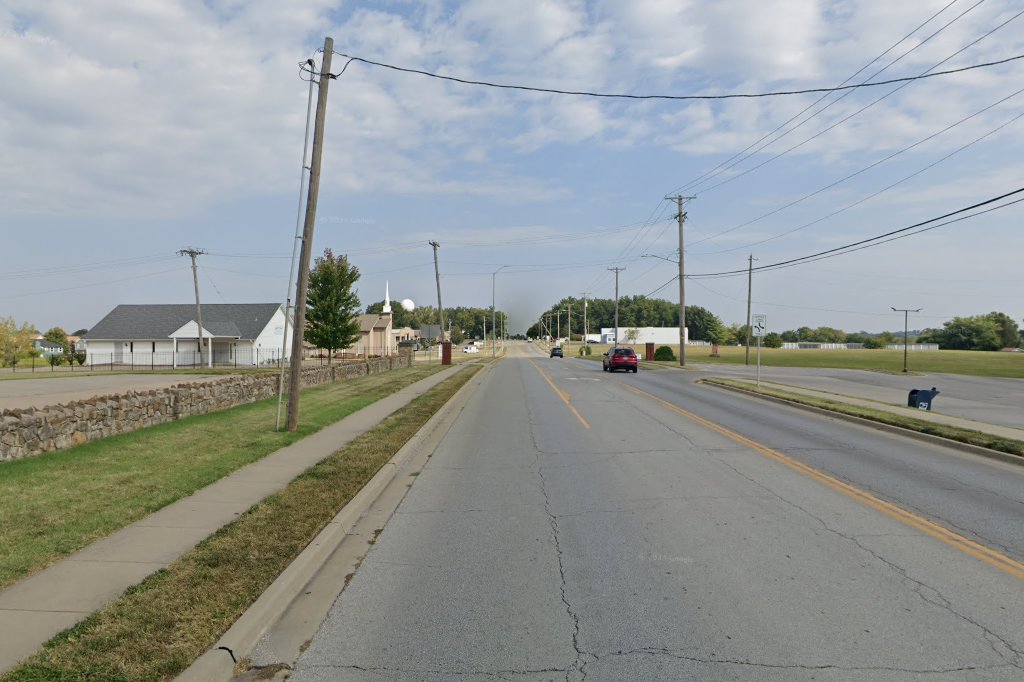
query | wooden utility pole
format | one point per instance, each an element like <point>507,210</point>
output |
<point>437,279</point>
<point>750,289</point>
<point>446,346</point>
<point>615,341</point>
<point>585,329</point>
<point>681,216</point>
<point>199,311</point>
<point>302,285</point>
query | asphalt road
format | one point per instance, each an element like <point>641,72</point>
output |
<point>994,400</point>
<point>580,525</point>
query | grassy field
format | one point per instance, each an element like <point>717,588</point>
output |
<point>157,628</point>
<point>55,504</point>
<point>975,363</point>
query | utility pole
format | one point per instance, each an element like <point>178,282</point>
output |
<point>558,325</point>
<point>615,342</point>
<point>906,315</point>
<point>681,216</point>
<point>585,330</point>
<point>295,244</point>
<point>199,311</point>
<point>750,282</point>
<point>302,286</point>
<point>568,323</point>
<point>437,279</point>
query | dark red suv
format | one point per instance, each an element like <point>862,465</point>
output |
<point>619,358</point>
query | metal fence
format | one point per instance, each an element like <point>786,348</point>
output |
<point>222,358</point>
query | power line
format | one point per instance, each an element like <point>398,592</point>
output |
<point>863,170</point>
<point>874,241</point>
<point>605,95</point>
<point>854,114</point>
<point>742,156</point>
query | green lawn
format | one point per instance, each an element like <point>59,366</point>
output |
<point>158,627</point>
<point>975,363</point>
<point>55,504</point>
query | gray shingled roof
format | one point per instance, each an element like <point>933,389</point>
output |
<point>159,321</point>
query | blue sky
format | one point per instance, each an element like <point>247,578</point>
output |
<point>132,130</point>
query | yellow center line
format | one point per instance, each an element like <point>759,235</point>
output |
<point>986,554</point>
<point>561,394</point>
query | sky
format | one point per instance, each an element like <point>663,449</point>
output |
<point>132,130</point>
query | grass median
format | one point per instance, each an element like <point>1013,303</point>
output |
<point>157,628</point>
<point>969,436</point>
<point>57,503</point>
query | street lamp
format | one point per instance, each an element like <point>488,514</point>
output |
<point>494,338</point>
<point>906,312</point>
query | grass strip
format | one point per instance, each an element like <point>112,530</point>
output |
<point>158,627</point>
<point>969,436</point>
<point>57,503</point>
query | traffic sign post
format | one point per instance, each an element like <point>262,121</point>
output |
<point>758,328</point>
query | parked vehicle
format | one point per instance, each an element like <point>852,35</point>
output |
<point>470,349</point>
<point>619,358</point>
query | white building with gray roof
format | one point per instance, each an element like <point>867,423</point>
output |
<point>168,335</point>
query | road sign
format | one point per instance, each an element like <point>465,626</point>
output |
<point>759,327</point>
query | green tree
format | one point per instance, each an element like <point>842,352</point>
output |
<point>457,336</point>
<point>15,340</point>
<point>790,336</point>
<point>332,306</point>
<point>772,340</point>
<point>980,332</point>
<point>60,337</point>
<point>1009,335</point>
<point>702,324</point>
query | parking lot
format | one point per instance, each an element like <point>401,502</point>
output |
<point>65,388</point>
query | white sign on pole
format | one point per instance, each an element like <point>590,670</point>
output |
<point>759,327</point>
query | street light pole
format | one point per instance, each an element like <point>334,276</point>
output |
<point>906,314</point>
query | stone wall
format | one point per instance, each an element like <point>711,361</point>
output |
<point>32,431</point>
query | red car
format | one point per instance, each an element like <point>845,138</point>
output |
<point>619,358</point>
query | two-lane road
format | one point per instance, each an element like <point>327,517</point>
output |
<point>580,525</point>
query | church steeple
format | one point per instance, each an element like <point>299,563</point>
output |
<point>387,297</point>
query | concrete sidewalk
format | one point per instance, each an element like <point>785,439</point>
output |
<point>38,607</point>
<point>885,406</point>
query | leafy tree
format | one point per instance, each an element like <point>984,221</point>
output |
<point>1009,335</point>
<point>332,306</point>
<point>874,342</point>
<point>829,335</point>
<point>60,337</point>
<point>790,336</point>
<point>980,332</point>
<point>15,340</point>
<point>772,340</point>
<point>457,336</point>
<point>702,324</point>
<point>80,332</point>
<point>805,334</point>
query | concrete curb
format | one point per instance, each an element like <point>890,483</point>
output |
<point>243,636</point>
<point>889,428</point>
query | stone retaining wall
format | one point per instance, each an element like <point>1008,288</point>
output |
<point>32,431</point>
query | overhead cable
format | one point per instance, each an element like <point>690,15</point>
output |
<point>606,95</point>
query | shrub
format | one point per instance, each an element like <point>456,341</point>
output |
<point>585,350</point>
<point>664,353</point>
<point>54,360</point>
<point>79,358</point>
<point>772,340</point>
